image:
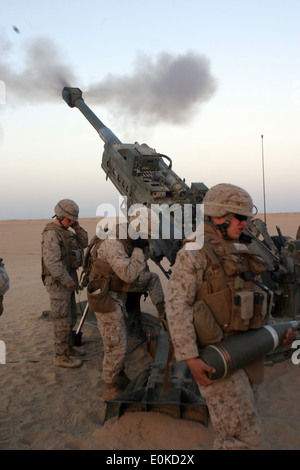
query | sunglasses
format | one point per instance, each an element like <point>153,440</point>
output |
<point>241,218</point>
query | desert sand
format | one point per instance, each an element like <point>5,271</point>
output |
<point>43,407</point>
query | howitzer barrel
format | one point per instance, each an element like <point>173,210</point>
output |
<point>73,97</point>
<point>142,176</point>
<point>242,349</point>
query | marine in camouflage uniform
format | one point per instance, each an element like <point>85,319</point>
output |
<point>204,277</point>
<point>62,254</point>
<point>4,284</point>
<point>124,262</point>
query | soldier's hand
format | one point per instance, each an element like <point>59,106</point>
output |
<point>199,370</point>
<point>71,285</point>
<point>75,225</point>
<point>289,337</point>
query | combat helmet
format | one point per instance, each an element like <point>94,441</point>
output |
<point>66,208</point>
<point>225,198</point>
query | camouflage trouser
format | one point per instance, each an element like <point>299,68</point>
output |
<point>112,328</point>
<point>233,413</point>
<point>112,325</point>
<point>148,281</point>
<point>64,315</point>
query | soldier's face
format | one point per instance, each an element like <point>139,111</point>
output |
<point>67,222</point>
<point>236,227</point>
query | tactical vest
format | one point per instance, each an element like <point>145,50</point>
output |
<point>71,252</point>
<point>232,300</point>
<point>96,268</point>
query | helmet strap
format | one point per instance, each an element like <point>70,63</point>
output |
<point>60,219</point>
<point>222,227</point>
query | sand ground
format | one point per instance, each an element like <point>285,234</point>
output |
<point>43,407</point>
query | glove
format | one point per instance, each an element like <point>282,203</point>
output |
<point>140,243</point>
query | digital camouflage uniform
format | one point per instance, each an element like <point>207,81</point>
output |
<point>57,275</point>
<point>133,270</point>
<point>230,401</point>
<point>204,276</point>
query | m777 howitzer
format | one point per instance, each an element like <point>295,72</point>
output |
<point>146,177</point>
<point>142,175</point>
<point>282,257</point>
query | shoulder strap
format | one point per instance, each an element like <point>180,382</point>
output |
<point>211,253</point>
<point>90,254</point>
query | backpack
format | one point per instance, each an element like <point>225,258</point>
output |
<point>89,257</point>
<point>95,268</point>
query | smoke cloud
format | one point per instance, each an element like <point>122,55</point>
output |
<point>166,89</point>
<point>43,74</point>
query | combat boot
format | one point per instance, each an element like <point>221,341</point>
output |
<point>117,387</point>
<point>111,391</point>
<point>62,360</point>
<point>75,352</point>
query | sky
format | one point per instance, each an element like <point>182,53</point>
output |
<point>199,81</point>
